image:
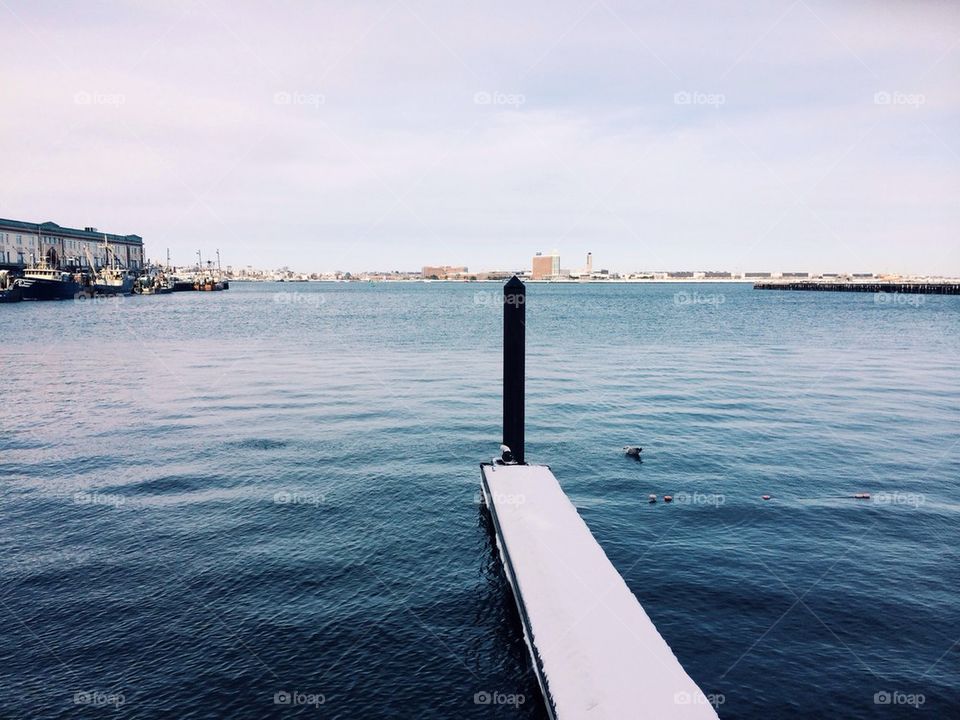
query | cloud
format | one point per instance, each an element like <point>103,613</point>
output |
<point>393,135</point>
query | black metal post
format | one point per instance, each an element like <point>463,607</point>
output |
<point>514,365</point>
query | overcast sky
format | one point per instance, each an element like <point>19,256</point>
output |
<point>804,135</point>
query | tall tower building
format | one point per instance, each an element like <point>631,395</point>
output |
<point>589,263</point>
<point>546,266</point>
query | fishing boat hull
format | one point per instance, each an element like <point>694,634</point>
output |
<point>11,295</point>
<point>34,288</point>
<point>125,287</point>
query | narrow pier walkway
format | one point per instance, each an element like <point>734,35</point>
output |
<point>596,652</point>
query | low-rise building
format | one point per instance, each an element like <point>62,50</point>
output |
<point>23,244</point>
<point>443,272</point>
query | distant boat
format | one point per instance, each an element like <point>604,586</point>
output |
<point>9,291</point>
<point>181,284</point>
<point>112,281</point>
<point>113,278</point>
<point>146,285</point>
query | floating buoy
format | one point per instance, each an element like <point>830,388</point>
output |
<point>652,498</point>
<point>668,498</point>
<point>766,497</point>
<point>862,496</point>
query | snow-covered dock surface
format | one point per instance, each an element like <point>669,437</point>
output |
<point>596,652</point>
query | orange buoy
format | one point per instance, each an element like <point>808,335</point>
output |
<point>668,498</point>
<point>766,497</point>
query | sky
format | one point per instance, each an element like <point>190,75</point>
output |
<point>798,136</point>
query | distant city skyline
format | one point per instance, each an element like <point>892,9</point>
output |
<point>807,136</point>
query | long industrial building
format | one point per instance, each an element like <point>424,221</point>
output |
<point>23,244</point>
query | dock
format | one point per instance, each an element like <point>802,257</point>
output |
<point>950,287</point>
<point>595,651</point>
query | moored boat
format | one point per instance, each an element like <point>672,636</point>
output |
<point>46,283</point>
<point>112,281</point>
<point>9,291</point>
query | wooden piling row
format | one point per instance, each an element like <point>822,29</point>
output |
<point>905,287</point>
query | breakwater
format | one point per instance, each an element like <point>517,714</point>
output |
<point>924,287</point>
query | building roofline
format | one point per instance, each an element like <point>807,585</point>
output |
<point>76,233</point>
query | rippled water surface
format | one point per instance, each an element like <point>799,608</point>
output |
<point>210,499</point>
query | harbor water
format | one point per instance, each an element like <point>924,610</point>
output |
<point>264,502</point>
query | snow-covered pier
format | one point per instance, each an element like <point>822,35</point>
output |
<point>595,651</point>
